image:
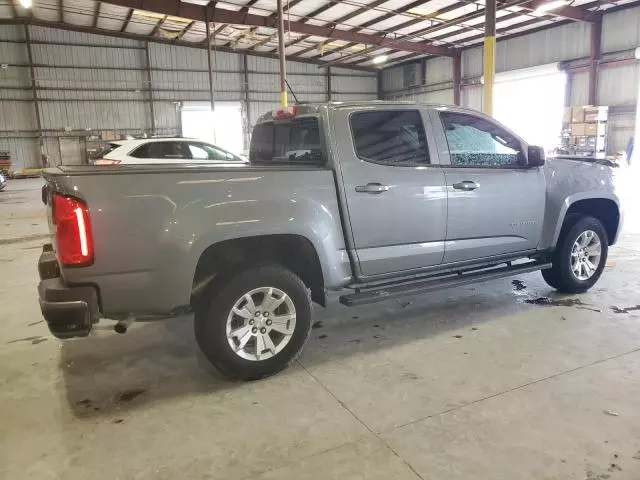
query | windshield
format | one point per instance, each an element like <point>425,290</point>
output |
<point>295,141</point>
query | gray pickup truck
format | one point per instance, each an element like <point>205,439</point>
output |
<point>370,200</point>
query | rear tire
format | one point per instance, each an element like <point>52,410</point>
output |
<point>242,335</point>
<point>580,256</point>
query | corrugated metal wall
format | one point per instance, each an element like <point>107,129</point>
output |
<point>87,83</point>
<point>617,85</point>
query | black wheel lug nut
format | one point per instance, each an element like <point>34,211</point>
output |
<point>263,330</point>
<point>254,330</point>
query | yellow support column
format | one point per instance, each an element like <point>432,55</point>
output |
<point>489,56</point>
<point>281,56</point>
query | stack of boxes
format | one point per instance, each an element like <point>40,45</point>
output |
<point>5,163</point>
<point>584,131</point>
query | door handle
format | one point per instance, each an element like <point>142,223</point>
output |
<point>372,188</point>
<point>466,185</point>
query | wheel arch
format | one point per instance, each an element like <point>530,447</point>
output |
<point>606,210</point>
<point>295,252</point>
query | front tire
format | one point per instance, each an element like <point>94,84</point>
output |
<point>580,256</point>
<point>256,324</point>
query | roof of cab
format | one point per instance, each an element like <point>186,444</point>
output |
<point>314,107</point>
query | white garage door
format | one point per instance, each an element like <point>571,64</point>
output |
<point>531,102</point>
<point>222,127</point>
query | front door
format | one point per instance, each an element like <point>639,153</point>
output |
<point>395,194</point>
<point>496,202</point>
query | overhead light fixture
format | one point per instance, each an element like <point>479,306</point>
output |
<point>26,3</point>
<point>380,59</point>
<point>552,5</point>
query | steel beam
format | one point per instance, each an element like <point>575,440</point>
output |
<point>150,83</point>
<point>209,68</point>
<point>185,30</point>
<point>157,26</point>
<point>61,11</point>
<point>457,78</point>
<point>127,20</point>
<point>264,41</point>
<point>247,102</point>
<point>34,86</point>
<point>594,58</point>
<point>195,12</point>
<point>96,15</point>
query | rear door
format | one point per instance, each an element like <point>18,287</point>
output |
<point>394,188</point>
<point>496,202</point>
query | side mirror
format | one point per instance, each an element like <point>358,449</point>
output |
<point>535,156</point>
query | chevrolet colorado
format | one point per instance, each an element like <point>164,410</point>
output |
<point>372,200</point>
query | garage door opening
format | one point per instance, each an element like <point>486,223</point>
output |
<point>531,101</point>
<point>222,127</point>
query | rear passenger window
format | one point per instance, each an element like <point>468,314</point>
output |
<point>390,137</point>
<point>476,142</point>
<point>161,150</point>
<point>293,141</point>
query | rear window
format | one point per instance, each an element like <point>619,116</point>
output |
<point>295,141</point>
<point>161,150</point>
<point>102,150</point>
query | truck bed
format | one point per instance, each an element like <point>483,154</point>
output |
<point>152,223</point>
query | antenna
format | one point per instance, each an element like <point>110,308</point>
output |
<point>291,90</point>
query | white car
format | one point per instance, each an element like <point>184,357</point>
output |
<point>163,150</point>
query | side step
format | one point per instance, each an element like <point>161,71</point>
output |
<point>386,292</point>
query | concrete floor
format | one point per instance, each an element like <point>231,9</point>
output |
<point>466,384</point>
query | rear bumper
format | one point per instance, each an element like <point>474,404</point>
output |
<point>68,311</point>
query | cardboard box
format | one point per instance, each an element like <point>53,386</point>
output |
<point>596,114</point>
<point>578,129</point>
<point>593,129</point>
<point>566,118</point>
<point>577,115</point>
<point>108,135</point>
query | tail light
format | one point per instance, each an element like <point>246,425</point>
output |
<point>74,242</point>
<point>106,161</point>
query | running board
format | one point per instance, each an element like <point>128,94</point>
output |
<point>382,293</point>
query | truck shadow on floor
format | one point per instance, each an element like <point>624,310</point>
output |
<point>109,373</point>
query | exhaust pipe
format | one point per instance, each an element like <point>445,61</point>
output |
<point>123,325</point>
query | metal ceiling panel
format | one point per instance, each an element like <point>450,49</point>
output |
<point>112,17</point>
<point>337,11</point>
<point>45,12</point>
<point>356,22</point>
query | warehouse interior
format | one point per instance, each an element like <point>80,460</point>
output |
<point>498,380</point>
<point>95,69</point>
